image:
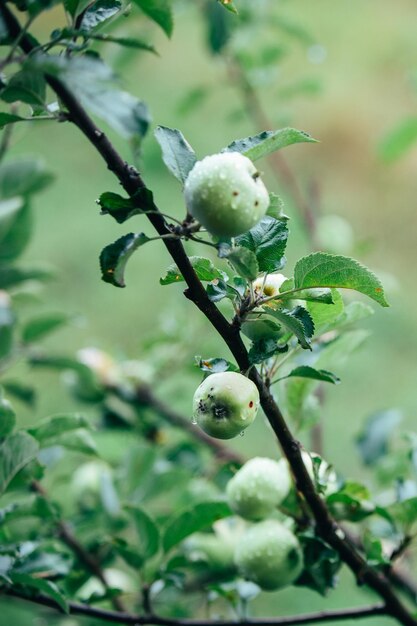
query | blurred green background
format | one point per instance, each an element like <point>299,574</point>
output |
<point>359,80</point>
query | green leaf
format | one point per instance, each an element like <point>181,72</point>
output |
<point>123,209</point>
<point>15,452</point>
<point>160,11</point>
<point>301,404</point>
<point>352,313</point>
<point>404,513</point>
<point>228,4</point>
<point>324,314</point>
<point>57,425</point>
<point>147,530</point>
<point>86,386</point>
<point>276,207</point>
<point>268,240</point>
<point>16,225</point>
<point>219,27</point>
<point>71,6</point>
<point>11,276</point>
<point>373,441</point>
<point>24,393</point>
<point>35,506</point>
<point>261,328</point>
<point>27,86</point>
<point>216,365</point>
<point>44,586</point>
<point>331,270</point>
<point>197,518</point>
<point>23,177</point>
<point>321,564</point>
<point>244,262</point>
<point>38,561</point>
<point>7,416</point>
<point>114,257</point>
<point>374,550</point>
<point>129,553</point>
<point>399,140</point>
<point>98,13</point>
<point>352,502</point>
<point>37,328</point>
<point>76,441</point>
<point>219,289</point>
<point>298,321</point>
<point>305,371</point>
<point>8,118</point>
<point>203,267</point>
<point>67,431</point>
<point>177,154</point>
<point>268,141</point>
<point>264,349</point>
<point>90,79</point>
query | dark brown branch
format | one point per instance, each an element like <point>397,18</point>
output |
<point>66,535</point>
<point>128,618</point>
<point>132,182</point>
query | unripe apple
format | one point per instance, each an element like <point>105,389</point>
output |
<point>270,555</point>
<point>225,194</point>
<point>211,550</point>
<point>225,403</point>
<point>258,488</point>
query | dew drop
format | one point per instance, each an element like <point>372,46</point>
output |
<point>242,433</point>
<point>193,421</point>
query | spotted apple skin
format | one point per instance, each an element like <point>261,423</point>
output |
<point>225,193</point>
<point>270,555</point>
<point>225,404</point>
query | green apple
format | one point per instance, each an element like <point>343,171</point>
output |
<point>258,488</point>
<point>225,193</point>
<point>270,555</point>
<point>210,550</point>
<point>225,404</point>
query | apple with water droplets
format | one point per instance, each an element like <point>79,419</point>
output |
<point>225,404</point>
<point>225,193</point>
<point>258,487</point>
<point>270,555</point>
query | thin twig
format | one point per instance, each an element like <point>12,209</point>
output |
<point>67,537</point>
<point>157,620</point>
